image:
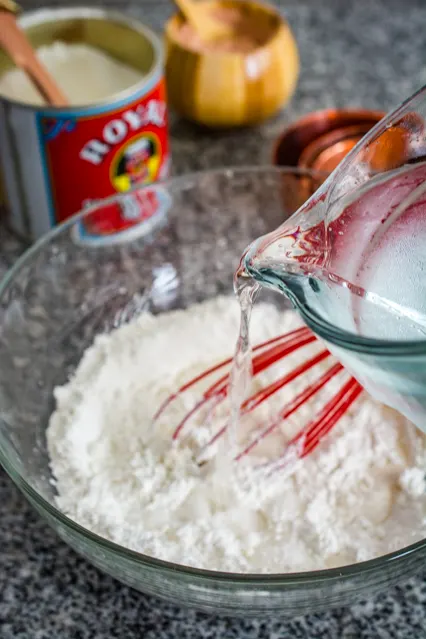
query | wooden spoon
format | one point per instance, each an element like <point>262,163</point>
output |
<point>200,17</point>
<point>14,41</point>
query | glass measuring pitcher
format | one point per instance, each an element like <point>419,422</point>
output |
<point>353,260</point>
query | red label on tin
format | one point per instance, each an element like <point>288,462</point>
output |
<point>95,155</point>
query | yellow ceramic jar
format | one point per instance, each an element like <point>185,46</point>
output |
<point>232,85</point>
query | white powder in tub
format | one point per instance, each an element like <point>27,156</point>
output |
<point>86,75</point>
<point>360,494</point>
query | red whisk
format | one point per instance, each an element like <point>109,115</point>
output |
<point>265,355</point>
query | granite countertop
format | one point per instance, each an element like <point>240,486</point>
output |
<point>369,53</point>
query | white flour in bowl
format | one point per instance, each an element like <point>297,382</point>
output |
<point>360,494</point>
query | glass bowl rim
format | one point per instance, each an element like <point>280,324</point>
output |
<point>246,581</point>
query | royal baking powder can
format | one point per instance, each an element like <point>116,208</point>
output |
<point>57,161</point>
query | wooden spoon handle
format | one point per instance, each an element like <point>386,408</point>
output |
<point>199,15</point>
<point>14,41</point>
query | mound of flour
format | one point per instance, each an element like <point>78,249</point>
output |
<point>360,494</point>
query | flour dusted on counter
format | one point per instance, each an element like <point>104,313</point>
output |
<point>85,74</point>
<point>360,494</point>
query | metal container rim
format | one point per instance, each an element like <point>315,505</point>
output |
<point>40,16</point>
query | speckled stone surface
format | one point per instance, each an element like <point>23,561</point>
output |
<point>369,53</point>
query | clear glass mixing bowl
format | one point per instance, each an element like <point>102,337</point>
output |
<point>70,286</point>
